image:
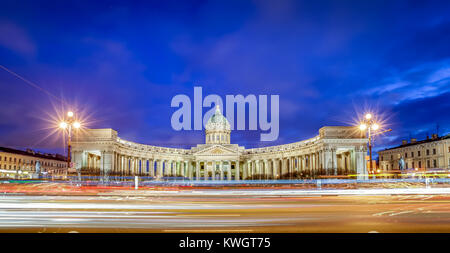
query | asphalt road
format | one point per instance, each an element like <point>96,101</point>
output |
<point>207,211</point>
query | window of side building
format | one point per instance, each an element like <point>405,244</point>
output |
<point>418,153</point>
<point>434,151</point>
<point>428,152</point>
<point>412,155</point>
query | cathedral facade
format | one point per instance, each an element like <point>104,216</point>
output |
<point>336,150</point>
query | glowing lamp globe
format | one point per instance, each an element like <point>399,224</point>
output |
<point>362,127</point>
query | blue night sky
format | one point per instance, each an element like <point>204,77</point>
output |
<point>119,64</point>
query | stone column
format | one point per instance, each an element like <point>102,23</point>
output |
<point>131,168</point>
<point>334,157</point>
<point>237,171</point>
<point>122,165</point>
<point>214,170</point>
<point>158,171</point>
<point>136,166</point>
<point>266,170</point>
<point>313,163</point>
<point>303,162</point>
<point>172,168</point>
<point>229,170</point>
<point>197,170</point>
<point>221,170</point>
<point>163,167</point>
<point>274,168</point>
<point>283,166</point>
<point>189,169</point>
<point>245,170</point>
<point>361,164</point>
<point>205,170</point>
<point>150,168</point>
<point>183,168</point>
<point>291,164</point>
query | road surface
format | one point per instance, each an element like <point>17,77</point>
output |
<point>225,211</point>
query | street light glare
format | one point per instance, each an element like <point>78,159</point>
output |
<point>63,125</point>
<point>363,127</point>
<point>76,124</point>
<point>70,114</point>
<point>375,126</point>
<point>368,116</point>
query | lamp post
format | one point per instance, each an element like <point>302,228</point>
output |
<point>68,124</point>
<point>368,124</point>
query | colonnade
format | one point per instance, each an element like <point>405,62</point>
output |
<point>322,162</point>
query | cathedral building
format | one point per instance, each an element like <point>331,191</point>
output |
<point>336,150</point>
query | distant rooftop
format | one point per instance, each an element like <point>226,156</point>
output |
<point>412,143</point>
<point>33,153</point>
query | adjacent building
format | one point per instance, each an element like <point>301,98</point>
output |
<point>16,163</point>
<point>431,153</point>
<point>336,150</point>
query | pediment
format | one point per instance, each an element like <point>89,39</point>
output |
<point>216,150</point>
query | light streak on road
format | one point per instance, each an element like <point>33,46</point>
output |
<point>222,210</point>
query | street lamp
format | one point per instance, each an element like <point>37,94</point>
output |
<point>369,125</point>
<point>68,124</point>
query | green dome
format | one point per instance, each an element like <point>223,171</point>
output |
<point>218,122</point>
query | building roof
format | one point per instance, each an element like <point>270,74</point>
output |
<point>217,122</point>
<point>420,142</point>
<point>33,153</point>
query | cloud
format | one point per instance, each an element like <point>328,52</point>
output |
<point>422,81</point>
<point>16,39</point>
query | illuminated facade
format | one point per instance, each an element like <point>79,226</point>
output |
<point>22,164</point>
<point>426,154</point>
<point>335,150</point>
